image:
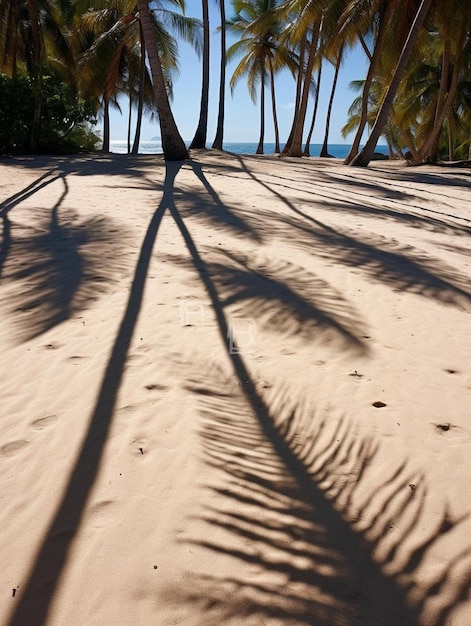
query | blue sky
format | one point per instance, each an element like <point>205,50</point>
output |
<point>242,118</point>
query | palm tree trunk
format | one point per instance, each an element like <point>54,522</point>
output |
<point>140,102</point>
<point>363,158</point>
<point>199,140</point>
<point>433,152</point>
<point>129,120</point>
<point>262,113</point>
<point>297,100</point>
<point>408,140</point>
<point>297,144</point>
<point>218,140</point>
<point>172,143</point>
<point>273,105</point>
<point>451,155</point>
<point>324,150</point>
<point>307,150</point>
<point>377,51</point>
<point>426,152</point>
<point>106,125</point>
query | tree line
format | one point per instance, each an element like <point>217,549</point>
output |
<point>64,62</point>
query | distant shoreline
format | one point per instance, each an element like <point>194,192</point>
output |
<point>336,150</point>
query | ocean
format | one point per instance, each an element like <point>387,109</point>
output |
<point>337,150</point>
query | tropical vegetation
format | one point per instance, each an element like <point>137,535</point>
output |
<point>64,63</point>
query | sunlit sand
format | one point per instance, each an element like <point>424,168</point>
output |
<point>234,391</point>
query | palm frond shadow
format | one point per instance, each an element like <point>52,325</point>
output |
<point>324,537</point>
<point>401,205</point>
<point>39,589</point>
<point>10,203</point>
<point>383,260</point>
<point>283,298</point>
<point>404,268</point>
<point>208,207</point>
<point>307,516</point>
<point>60,268</point>
<point>401,214</point>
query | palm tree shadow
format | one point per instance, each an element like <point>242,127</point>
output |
<point>292,511</point>
<point>39,590</point>
<point>10,203</point>
<point>383,261</point>
<point>216,213</point>
<point>61,271</point>
<point>283,298</point>
<point>326,538</point>
<point>402,268</point>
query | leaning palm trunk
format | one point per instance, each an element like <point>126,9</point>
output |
<point>363,158</point>
<point>442,93</point>
<point>296,146</point>
<point>199,140</point>
<point>218,140</point>
<point>324,150</point>
<point>172,143</point>
<point>299,85</point>
<point>426,152</point>
<point>377,51</point>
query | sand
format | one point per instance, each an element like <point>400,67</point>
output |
<point>235,391</point>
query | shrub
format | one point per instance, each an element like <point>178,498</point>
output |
<point>66,120</point>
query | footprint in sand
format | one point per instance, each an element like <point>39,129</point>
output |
<point>43,422</point>
<point>13,447</point>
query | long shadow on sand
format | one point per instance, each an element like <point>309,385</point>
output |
<point>289,509</point>
<point>285,298</point>
<point>35,601</point>
<point>57,263</point>
<point>294,513</point>
<point>381,260</point>
<point>10,203</point>
<point>324,538</point>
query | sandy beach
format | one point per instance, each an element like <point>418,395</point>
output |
<point>234,391</point>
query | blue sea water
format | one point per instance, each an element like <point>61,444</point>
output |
<point>337,150</point>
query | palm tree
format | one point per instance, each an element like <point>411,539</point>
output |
<point>324,150</point>
<point>259,26</point>
<point>143,82</point>
<point>374,18</point>
<point>294,144</point>
<point>219,137</point>
<point>113,61</point>
<point>455,22</point>
<point>363,158</point>
<point>304,19</point>
<point>307,151</point>
<point>199,140</point>
<point>173,146</point>
<point>106,64</point>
